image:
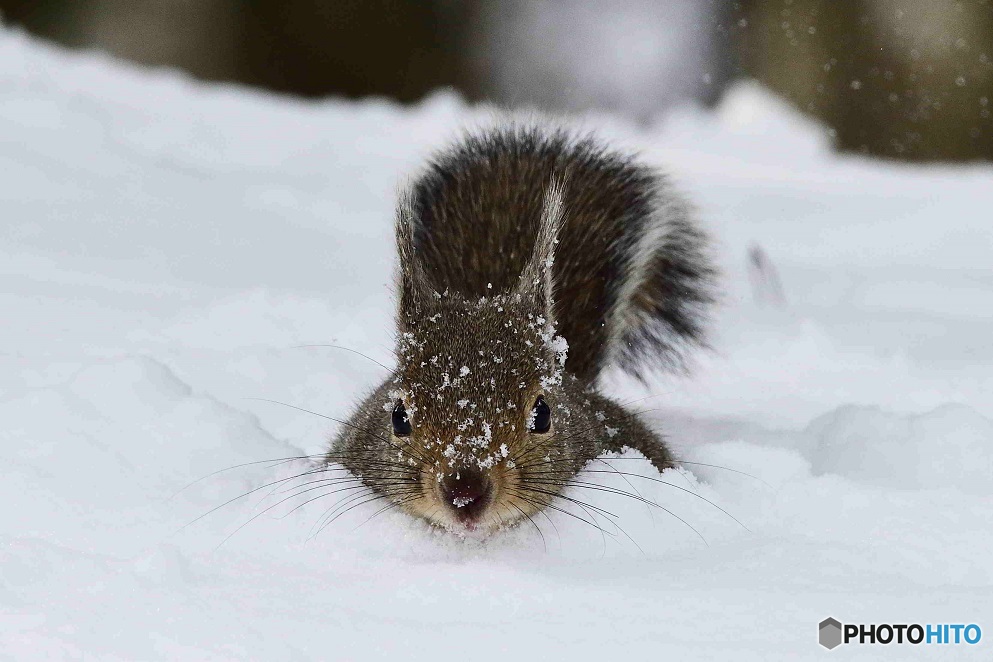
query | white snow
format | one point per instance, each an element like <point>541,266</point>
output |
<point>171,250</point>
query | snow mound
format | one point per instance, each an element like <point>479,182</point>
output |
<point>950,446</point>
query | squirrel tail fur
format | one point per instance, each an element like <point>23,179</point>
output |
<point>631,276</point>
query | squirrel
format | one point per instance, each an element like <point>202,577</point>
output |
<point>531,258</point>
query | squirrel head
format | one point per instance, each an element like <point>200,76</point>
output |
<point>477,385</point>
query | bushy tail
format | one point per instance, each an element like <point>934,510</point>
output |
<point>631,277</point>
<point>661,308</point>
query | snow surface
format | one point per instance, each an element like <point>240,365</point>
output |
<point>166,248</point>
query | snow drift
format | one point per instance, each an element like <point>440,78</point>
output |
<point>167,250</point>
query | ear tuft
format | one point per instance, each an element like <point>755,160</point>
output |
<point>537,278</point>
<point>412,283</point>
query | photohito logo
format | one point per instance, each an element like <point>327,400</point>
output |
<point>831,633</point>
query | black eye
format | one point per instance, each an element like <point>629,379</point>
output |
<point>401,422</point>
<point>541,416</point>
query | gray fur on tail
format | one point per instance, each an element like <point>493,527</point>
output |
<point>632,279</point>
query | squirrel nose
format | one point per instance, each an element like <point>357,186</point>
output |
<point>467,492</point>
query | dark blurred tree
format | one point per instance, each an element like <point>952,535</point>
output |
<point>353,48</point>
<point>907,79</point>
<point>356,48</point>
<point>199,36</point>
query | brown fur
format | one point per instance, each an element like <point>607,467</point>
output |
<point>509,239</point>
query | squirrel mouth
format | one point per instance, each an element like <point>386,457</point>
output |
<point>468,521</point>
<point>469,518</point>
<point>467,493</point>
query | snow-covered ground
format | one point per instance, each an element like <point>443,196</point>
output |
<point>167,247</point>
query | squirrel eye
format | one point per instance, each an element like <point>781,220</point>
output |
<point>541,418</point>
<point>401,422</point>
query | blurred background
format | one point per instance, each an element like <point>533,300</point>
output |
<point>900,79</point>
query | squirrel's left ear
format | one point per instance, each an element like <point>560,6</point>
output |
<point>537,279</point>
<point>412,283</point>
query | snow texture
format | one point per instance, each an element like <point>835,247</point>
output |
<point>170,250</point>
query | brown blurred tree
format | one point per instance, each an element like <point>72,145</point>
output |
<point>354,48</point>
<point>199,36</point>
<point>906,79</point>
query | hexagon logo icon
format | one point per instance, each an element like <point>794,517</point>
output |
<point>829,633</point>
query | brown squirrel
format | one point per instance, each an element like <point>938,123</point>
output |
<point>530,259</point>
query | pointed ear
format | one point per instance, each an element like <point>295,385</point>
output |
<point>412,284</point>
<point>537,278</point>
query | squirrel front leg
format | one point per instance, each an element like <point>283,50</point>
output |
<point>623,429</point>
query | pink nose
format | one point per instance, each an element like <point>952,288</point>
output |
<point>467,492</point>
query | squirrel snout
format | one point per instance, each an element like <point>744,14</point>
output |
<point>467,492</point>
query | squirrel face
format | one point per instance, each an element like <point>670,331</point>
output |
<point>474,380</point>
<point>473,400</point>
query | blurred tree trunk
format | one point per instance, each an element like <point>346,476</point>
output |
<point>908,79</point>
<point>199,36</point>
<point>356,48</point>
